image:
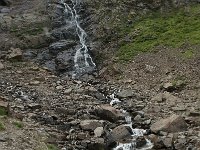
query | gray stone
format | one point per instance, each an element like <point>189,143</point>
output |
<point>172,124</point>
<point>60,87</point>
<point>168,142</point>
<point>15,53</point>
<point>140,141</point>
<point>5,10</point>
<point>56,47</point>
<point>1,65</point>
<point>120,133</point>
<point>68,91</point>
<point>107,112</point>
<point>34,106</point>
<point>125,94</point>
<point>98,131</point>
<point>90,124</point>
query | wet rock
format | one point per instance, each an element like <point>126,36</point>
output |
<point>5,2</point>
<point>140,141</point>
<point>172,124</point>
<point>90,124</point>
<point>98,131</point>
<point>56,47</point>
<point>64,60</point>
<point>126,94</point>
<point>15,53</point>
<point>50,65</point>
<point>121,133</point>
<point>107,112</point>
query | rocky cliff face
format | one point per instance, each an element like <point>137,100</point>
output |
<point>158,90</point>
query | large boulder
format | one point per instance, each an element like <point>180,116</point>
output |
<point>107,112</point>
<point>90,124</point>
<point>125,94</point>
<point>119,134</point>
<point>15,54</point>
<point>172,124</point>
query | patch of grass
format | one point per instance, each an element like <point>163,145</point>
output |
<point>179,82</point>
<point>171,29</point>
<point>1,126</point>
<point>18,124</point>
<point>188,54</point>
<point>32,29</point>
<point>3,111</point>
<point>52,147</point>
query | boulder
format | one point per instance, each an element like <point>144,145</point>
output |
<point>90,124</point>
<point>119,134</point>
<point>125,94</point>
<point>140,141</point>
<point>15,53</point>
<point>107,112</point>
<point>98,131</point>
<point>56,47</point>
<point>173,124</point>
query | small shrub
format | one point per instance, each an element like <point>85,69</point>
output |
<point>188,54</point>
<point>2,126</point>
<point>52,147</point>
<point>3,111</point>
<point>18,124</point>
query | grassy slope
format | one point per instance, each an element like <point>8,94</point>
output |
<point>169,29</point>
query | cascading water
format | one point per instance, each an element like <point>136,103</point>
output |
<point>83,62</point>
<point>135,132</point>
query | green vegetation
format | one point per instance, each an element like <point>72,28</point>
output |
<point>188,54</point>
<point>52,147</point>
<point>2,126</point>
<point>32,29</point>
<point>18,124</point>
<point>179,82</point>
<point>170,29</point>
<point>3,111</point>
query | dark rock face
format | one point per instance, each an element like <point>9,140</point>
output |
<point>5,2</point>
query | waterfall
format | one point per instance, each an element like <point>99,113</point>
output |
<point>83,62</point>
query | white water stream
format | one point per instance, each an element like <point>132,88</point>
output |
<point>82,60</point>
<point>136,132</point>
